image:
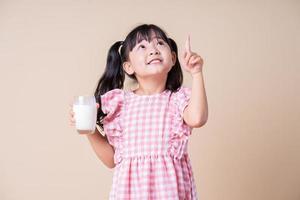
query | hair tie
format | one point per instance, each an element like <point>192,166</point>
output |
<point>121,44</point>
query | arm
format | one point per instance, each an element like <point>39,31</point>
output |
<point>196,113</point>
<point>102,148</point>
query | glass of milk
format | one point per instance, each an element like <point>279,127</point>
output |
<point>85,114</point>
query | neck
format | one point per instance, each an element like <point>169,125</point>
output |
<point>151,86</point>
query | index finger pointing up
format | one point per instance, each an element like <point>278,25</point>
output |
<point>188,44</point>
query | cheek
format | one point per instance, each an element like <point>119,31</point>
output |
<point>136,57</point>
<point>138,62</point>
<point>168,56</point>
<point>133,60</point>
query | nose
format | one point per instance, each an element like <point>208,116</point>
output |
<point>153,50</point>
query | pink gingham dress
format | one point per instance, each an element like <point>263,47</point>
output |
<point>150,140</point>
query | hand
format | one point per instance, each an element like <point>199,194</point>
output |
<point>191,61</point>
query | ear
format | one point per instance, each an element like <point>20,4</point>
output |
<point>128,68</point>
<point>173,57</point>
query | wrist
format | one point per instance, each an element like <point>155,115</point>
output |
<point>92,134</point>
<point>195,74</point>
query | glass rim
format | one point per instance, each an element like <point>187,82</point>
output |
<point>84,95</point>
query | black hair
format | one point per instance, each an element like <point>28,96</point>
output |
<point>114,75</point>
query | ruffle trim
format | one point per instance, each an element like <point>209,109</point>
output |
<point>180,131</point>
<point>113,104</point>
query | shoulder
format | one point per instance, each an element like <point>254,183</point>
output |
<point>183,91</point>
<point>113,93</point>
<point>181,99</point>
<point>116,94</point>
<point>112,100</point>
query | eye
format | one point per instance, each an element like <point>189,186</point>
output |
<point>161,43</point>
<point>142,46</point>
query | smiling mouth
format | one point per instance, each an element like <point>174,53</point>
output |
<point>154,61</point>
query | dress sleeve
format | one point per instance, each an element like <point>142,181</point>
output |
<point>182,100</point>
<point>111,104</point>
<point>180,130</point>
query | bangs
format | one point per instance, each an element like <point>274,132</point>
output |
<point>145,34</point>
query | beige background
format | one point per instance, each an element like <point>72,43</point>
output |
<point>53,50</point>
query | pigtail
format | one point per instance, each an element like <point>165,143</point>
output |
<point>175,76</point>
<point>112,78</point>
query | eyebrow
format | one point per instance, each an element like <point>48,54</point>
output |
<point>157,37</point>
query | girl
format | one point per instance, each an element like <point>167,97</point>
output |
<point>147,129</point>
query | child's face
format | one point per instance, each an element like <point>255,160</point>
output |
<point>150,58</point>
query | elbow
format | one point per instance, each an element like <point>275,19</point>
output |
<point>110,165</point>
<point>196,122</point>
<point>200,122</point>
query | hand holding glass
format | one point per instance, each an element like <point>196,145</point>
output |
<point>85,114</point>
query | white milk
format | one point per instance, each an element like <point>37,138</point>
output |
<point>85,116</point>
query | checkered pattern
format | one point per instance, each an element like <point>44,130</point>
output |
<point>150,140</point>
